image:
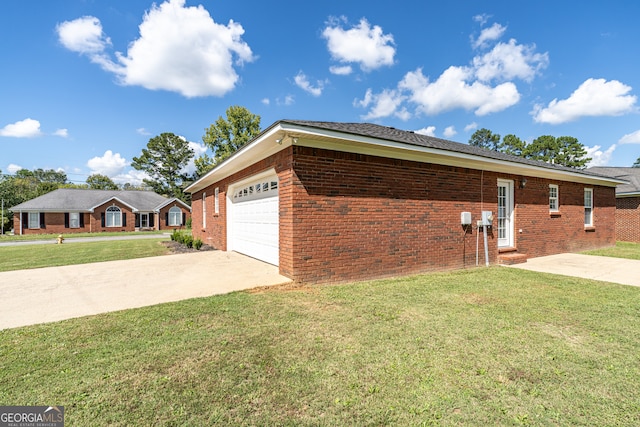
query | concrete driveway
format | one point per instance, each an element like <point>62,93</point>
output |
<point>616,270</point>
<point>57,293</point>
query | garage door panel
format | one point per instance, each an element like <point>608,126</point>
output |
<point>255,223</point>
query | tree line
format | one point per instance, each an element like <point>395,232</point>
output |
<point>164,160</point>
<point>562,150</point>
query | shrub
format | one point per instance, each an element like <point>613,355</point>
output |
<point>175,235</point>
<point>197,244</point>
<point>188,241</point>
<point>188,224</point>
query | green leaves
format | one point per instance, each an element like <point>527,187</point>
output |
<point>226,136</point>
<point>164,160</point>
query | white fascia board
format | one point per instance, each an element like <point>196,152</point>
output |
<point>133,209</point>
<point>385,148</point>
<point>307,136</point>
<point>628,194</point>
<point>173,199</point>
<point>251,153</point>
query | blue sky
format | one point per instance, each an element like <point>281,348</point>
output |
<point>85,84</point>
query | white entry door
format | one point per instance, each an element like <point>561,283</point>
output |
<point>253,223</point>
<point>505,213</point>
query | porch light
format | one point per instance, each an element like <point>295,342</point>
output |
<point>523,182</point>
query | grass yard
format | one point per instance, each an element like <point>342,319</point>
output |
<point>490,346</point>
<point>52,237</point>
<point>620,250</point>
<point>48,255</point>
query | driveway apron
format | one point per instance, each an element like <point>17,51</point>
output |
<point>57,293</point>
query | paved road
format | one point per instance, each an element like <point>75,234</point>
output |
<point>97,238</point>
<point>616,270</point>
<point>56,293</point>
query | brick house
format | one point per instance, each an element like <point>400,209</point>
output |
<point>68,210</point>
<point>334,202</point>
<point>627,201</point>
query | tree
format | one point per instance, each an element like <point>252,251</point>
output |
<point>637,163</point>
<point>226,136</point>
<point>564,150</point>
<point>484,138</point>
<point>26,185</point>
<point>164,160</point>
<point>101,182</point>
<point>511,144</point>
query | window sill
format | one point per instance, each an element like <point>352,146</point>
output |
<point>590,228</point>
<point>507,249</point>
<point>554,214</point>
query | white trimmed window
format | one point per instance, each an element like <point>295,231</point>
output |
<point>554,200</point>
<point>588,207</point>
<point>216,203</point>
<point>34,220</point>
<point>113,217</point>
<point>74,220</point>
<point>204,210</point>
<point>175,216</point>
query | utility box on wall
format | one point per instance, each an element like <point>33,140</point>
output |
<point>465,218</point>
<point>487,218</point>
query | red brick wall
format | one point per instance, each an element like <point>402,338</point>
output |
<point>54,224</point>
<point>96,222</point>
<point>346,216</point>
<point>628,219</point>
<point>162,217</point>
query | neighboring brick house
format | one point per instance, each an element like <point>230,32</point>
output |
<point>627,201</point>
<point>335,202</point>
<point>70,210</point>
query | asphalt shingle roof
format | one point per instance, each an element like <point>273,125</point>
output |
<point>412,138</point>
<point>626,174</point>
<point>65,199</point>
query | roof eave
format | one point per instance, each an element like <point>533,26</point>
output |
<point>283,134</point>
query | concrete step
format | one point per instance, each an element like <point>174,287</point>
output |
<point>512,258</point>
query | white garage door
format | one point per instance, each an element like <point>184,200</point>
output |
<point>253,220</point>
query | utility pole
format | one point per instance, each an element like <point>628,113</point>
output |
<point>2,219</point>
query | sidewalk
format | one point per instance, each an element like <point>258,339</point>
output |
<point>607,269</point>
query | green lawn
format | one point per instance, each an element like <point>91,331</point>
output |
<point>620,250</point>
<point>47,255</point>
<point>52,237</point>
<point>489,346</point>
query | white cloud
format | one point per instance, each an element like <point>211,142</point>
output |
<point>362,44</point>
<point>507,61</point>
<point>13,168</point>
<point>341,70</point>
<point>384,104</point>
<point>27,128</point>
<point>471,126</point>
<point>481,18</point>
<point>489,34</point>
<point>599,157</point>
<point>198,150</point>
<point>288,100</point>
<point>132,176</point>
<point>449,131</point>
<point>594,97</point>
<point>631,138</point>
<point>109,164</point>
<point>265,101</point>
<point>143,132</point>
<point>180,49</point>
<point>455,88</point>
<point>83,35</point>
<point>63,133</point>
<point>303,83</point>
<point>428,131</point>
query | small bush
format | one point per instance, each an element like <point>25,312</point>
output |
<point>188,241</point>
<point>188,224</point>
<point>197,244</point>
<point>175,235</point>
